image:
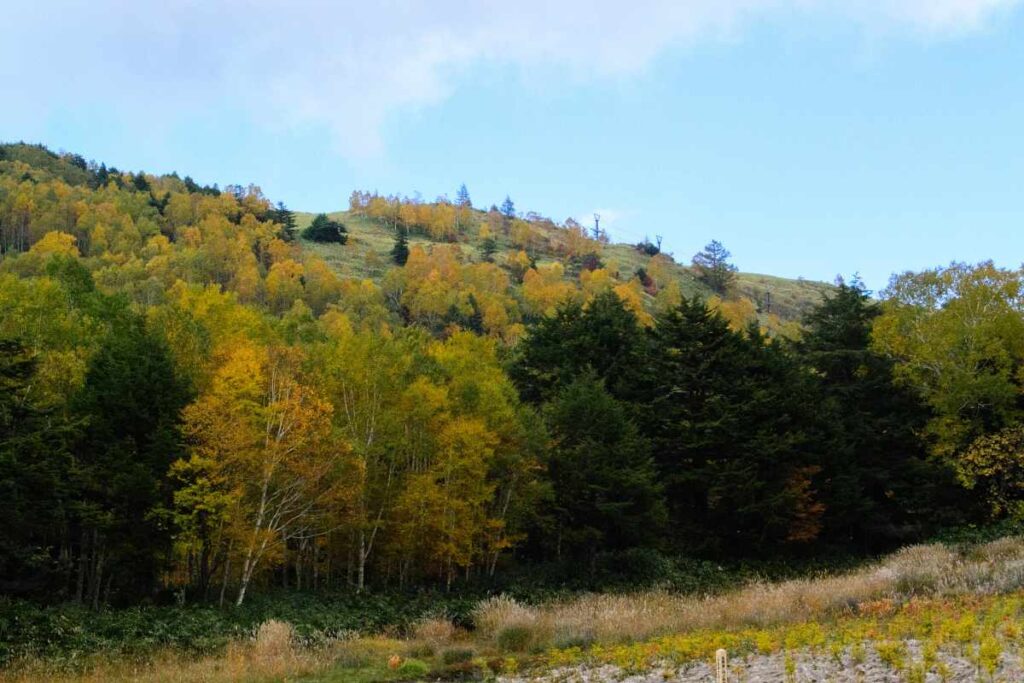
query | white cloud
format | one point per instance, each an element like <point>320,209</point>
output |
<point>350,66</point>
<point>942,16</point>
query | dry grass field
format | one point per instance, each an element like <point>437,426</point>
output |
<point>925,613</point>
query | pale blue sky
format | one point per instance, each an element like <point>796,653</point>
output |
<point>813,137</point>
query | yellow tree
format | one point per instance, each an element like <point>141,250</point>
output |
<point>662,270</point>
<point>739,312</point>
<point>322,286</point>
<point>284,284</point>
<point>443,511</point>
<point>518,263</point>
<point>266,436</point>
<point>55,243</point>
<point>632,296</point>
<point>364,375</point>
<point>545,287</point>
<point>488,424</point>
<point>669,296</point>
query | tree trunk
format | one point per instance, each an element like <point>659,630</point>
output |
<point>80,587</point>
<point>361,568</point>
<point>243,583</point>
<point>97,577</point>
<point>316,567</point>
<point>224,579</point>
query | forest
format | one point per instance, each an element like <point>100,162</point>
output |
<point>199,406</point>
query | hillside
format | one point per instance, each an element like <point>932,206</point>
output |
<point>367,255</point>
<point>778,303</point>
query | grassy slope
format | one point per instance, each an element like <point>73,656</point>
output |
<point>367,256</point>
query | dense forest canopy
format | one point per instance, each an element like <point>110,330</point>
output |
<point>196,399</point>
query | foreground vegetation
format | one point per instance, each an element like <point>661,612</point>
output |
<point>933,608</point>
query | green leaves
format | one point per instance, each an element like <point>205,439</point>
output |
<point>605,485</point>
<point>956,336</point>
<point>323,229</point>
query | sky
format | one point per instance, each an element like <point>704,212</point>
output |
<point>812,137</point>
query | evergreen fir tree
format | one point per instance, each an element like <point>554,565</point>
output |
<point>508,208</point>
<point>713,268</point>
<point>400,251</point>
<point>731,423</point>
<point>324,229</point>
<point>487,248</point>
<point>881,480</point>
<point>604,337</point>
<point>140,182</point>
<point>130,405</point>
<point>35,462</point>
<point>284,217</point>
<point>604,483</point>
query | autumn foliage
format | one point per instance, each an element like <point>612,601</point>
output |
<point>195,401</point>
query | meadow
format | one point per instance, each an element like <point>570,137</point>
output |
<point>927,612</point>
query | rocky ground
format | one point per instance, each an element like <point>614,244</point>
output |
<point>805,667</point>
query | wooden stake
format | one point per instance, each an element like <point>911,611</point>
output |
<point>722,666</point>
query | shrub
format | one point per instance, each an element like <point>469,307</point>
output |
<point>892,653</point>
<point>514,638</point>
<point>274,638</point>
<point>1001,550</point>
<point>421,650</point>
<point>500,611</point>
<point>919,569</point>
<point>323,229</point>
<point>413,669</point>
<point>564,641</point>
<point>434,630</point>
<point>460,671</point>
<point>456,655</point>
<point>359,653</point>
<point>69,632</point>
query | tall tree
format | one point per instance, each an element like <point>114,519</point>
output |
<point>265,435</point>
<point>878,482</point>
<point>400,251</point>
<point>130,403</point>
<point>713,268</point>
<point>729,417</point>
<point>606,494</point>
<point>35,460</point>
<point>508,208</point>
<point>364,375</point>
<point>603,336</point>
<point>284,217</point>
<point>956,336</point>
<point>462,197</point>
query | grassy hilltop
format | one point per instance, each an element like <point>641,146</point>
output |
<point>367,255</point>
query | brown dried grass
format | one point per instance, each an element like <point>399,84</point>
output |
<point>273,653</point>
<point>934,569</point>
